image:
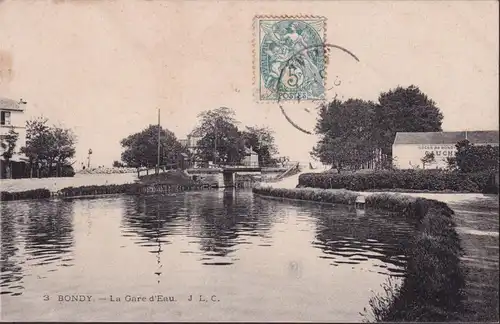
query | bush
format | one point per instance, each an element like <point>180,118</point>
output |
<point>129,188</point>
<point>426,180</point>
<point>21,195</point>
<point>325,196</point>
<point>67,171</point>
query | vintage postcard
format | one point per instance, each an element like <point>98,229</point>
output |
<point>249,161</point>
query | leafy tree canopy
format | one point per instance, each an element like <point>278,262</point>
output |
<point>47,145</point>
<point>141,149</point>
<point>223,142</point>
<point>404,110</point>
<point>346,133</point>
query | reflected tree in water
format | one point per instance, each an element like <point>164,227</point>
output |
<point>218,225</point>
<point>150,218</point>
<point>49,231</point>
<point>227,220</point>
<point>217,220</point>
<point>345,236</point>
<point>11,274</point>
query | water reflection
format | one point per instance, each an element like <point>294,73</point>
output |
<point>39,233</point>
<point>11,271</point>
<point>347,236</point>
<point>217,221</point>
<point>228,242</point>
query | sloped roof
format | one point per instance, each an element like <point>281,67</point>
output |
<point>10,104</point>
<point>475,137</point>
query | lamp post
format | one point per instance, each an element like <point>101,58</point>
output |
<point>88,158</point>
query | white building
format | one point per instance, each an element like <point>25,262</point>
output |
<point>409,148</point>
<point>251,158</point>
<point>12,116</point>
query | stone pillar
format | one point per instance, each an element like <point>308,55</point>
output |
<point>228,179</point>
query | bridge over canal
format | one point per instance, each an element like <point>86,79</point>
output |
<point>224,176</point>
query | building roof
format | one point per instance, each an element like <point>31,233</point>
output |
<point>475,137</point>
<point>10,104</point>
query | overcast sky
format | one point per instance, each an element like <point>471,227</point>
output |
<point>103,68</point>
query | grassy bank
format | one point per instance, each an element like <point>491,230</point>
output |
<point>171,177</point>
<point>93,191</point>
<point>22,195</point>
<point>433,287</point>
<point>413,180</point>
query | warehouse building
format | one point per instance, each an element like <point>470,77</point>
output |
<point>409,148</point>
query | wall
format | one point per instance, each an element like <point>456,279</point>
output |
<point>18,120</point>
<point>407,156</point>
<point>251,160</point>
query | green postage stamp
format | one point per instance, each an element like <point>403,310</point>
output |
<point>290,57</point>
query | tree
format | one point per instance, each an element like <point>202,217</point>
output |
<point>37,132</point>
<point>346,134</point>
<point>61,148</point>
<point>428,159</point>
<point>261,140</point>
<point>472,158</point>
<point>404,110</point>
<point>221,140</point>
<point>8,146</point>
<point>141,149</point>
<point>48,146</point>
<point>118,164</point>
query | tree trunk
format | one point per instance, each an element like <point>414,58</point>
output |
<point>8,169</point>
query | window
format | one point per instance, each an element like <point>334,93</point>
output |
<point>5,118</point>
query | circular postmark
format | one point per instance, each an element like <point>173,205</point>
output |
<point>302,78</point>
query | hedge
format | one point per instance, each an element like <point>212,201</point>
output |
<point>433,287</point>
<point>129,188</point>
<point>29,194</point>
<point>429,180</point>
<point>325,196</point>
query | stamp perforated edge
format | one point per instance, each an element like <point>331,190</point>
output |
<point>256,52</point>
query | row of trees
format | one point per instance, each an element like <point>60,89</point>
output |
<point>220,141</point>
<point>355,132</point>
<point>49,148</point>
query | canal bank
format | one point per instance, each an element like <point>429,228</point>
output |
<point>477,225</point>
<point>434,284</point>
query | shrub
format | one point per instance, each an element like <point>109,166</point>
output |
<point>422,180</point>
<point>29,194</point>
<point>129,188</point>
<point>335,197</point>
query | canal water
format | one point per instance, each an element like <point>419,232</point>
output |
<point>204,256</point>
